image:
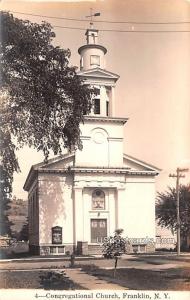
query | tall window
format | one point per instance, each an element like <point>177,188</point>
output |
<point>93,37</point>
<point>98,200</point>
<point>107,108</point>
<point>81,63</point>
<point>56,235</point>
<point>97,106</point>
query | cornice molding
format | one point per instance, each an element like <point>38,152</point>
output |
<point>106,170</point>
<point>91,46</point>
<point>105,119</point>
<point>150,173</point>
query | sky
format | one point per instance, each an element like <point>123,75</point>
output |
<point>153,90</point>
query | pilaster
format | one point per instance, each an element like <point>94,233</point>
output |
<point>112,102</point>
<point>120,221</point>
<point>78,226</point>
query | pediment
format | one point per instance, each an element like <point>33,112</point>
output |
<point>58,163</point>
<point>63,162</point>
<point>138,165</point>
<point>99,73</point>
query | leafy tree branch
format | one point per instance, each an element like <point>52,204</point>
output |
<point>43,101</point>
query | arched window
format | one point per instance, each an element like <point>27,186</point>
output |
<point>98,200</point>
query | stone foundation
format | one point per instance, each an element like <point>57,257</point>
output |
<point>95,249</point>
<point>44,250</point>
<point>83,248</point>
<point>142,248</point>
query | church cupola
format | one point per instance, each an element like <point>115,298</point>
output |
<point>92,54</point>
<point>94,73</point>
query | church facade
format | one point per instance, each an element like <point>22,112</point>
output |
<point>77,199</point>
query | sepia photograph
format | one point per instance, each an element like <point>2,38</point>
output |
<point>95,149</point>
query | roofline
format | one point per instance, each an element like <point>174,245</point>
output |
<point>91,29</point>
<point>124,170</point>
<point>87,73</point>
<point>137,172</point>
<point>79,169</point>
<point>97,169</point>
<point>141,162</point>
<point>37,167</point>
<point>53,160</point>
<point>92,46</point>
<point>105,119</point>
<point>31,176</point>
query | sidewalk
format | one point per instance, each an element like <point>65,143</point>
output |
<point>90,282</point>
<point>166,255</point>
<point>48,258</point>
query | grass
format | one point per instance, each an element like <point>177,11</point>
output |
<point>160,259</point>
<point>48,280</point>
<point>136,273</point>
<point>57,281</point>
<point>141,279</point>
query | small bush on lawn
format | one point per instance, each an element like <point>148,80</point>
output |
<point>57,281</point>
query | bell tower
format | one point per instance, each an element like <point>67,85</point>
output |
<point>102,131</point>
<point>92,69</point>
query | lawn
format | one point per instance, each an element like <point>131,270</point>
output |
<point>48,280</point>
<point>140,272</point>
<point>175,279</point>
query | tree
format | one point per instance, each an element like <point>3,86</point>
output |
<point>114,247</point>
<point>42,98</point>
<point>8,165</point>
<point>166,213</point>
<point>24,233</point>
<point>5,223</point>
<point>17,215</point>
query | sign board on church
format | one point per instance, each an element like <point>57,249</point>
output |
<point>57,235</point>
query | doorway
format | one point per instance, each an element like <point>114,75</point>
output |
<point>98,230</point>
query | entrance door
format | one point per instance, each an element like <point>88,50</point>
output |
<point>98,230</point>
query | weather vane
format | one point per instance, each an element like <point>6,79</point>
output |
<point>91,17</point>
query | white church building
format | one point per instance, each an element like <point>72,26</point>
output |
<point>77,199</point>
